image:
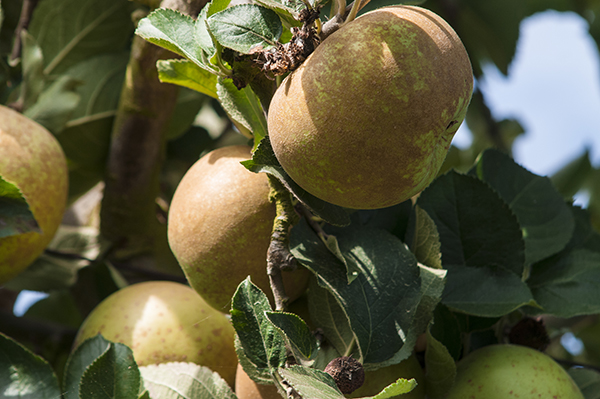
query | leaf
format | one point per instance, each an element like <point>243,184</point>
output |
<point>24,375</point>
<point>488,291</point>
<point>184,381</point>
<point>243,106</point>
<point>297,334</point>
<point>55,104</point>
<point>173,31</point>
<point>381,302</point>
<point>288,10</point>
<point>400,387</point>
<point>425,239</point>
<point>261,342</point>
<point>311,383</point>
<point>587,380</point>
<point>79,360</point>
<point>32,65</point>
<point>78,245</point>
<point>544,217</point>
<point>441,368</point>
<point>201,33</point>
<point>114,374</point>
<point>186,73</point>
<point>476,227</point>
<point>245,27</point>
<point>568,285</point>
<point>15,215</point>
<point>264,160</point>
<point>330,317</point>
<point>571,177</point>
<point>71,31</point>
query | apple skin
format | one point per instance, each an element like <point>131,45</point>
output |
<point>33,160</point>
<point>507,371</point>
<point>246,388</point>
<point>219,228</point>
<point>163,322</point>
<point>367,120</point>
<point>376,380</point>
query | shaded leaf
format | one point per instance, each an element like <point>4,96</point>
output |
<point>543,215</point>
<point>311,383</point>
<point>243,106</point>
<point>264,160</point>
<point>587,380</point>
<point>32,64</point>
<point>184,381</point>
<point>186,73</point>
<point>245,27</point>
<point>425,239</point>
<point>571,177</point>
<point>79,360</point>
<point>441,368</point>
<point>24,375</point>
<point>297,335</point>
<point>15,215</point>
<point>70,31</point>
<point>381,302</point>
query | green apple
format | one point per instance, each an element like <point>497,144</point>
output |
<point>367,120</point>
<point>31,159</point>
<point>376,380</point>
<point>219,228</point>
<point>512,371</point>
<point>164,322</point>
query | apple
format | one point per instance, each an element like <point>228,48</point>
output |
<point>162,322</point>
<point>32,159</point>
<point>367,120</point>
<point>376,380</point>
<point>219,228</point>
<point>246,388</point>
<point>512,371</point>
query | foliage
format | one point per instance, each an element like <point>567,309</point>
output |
<point>487,243</point>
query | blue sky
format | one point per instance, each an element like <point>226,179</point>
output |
<point>553,89</point>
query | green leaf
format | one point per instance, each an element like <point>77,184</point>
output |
<point>475,225</point>
<point>264,160</point>
<point>71,31</point>
<point>243,106</point>
<point>311,383</point>
<point>424,239</point>
<point>184,381</point>
<point>186,73</point>
<point>544,216</point>
<point>488,291</point>
<point>24,375</point>
<point>32,64</point>
<point>245,27</point>
<point>568,285</point>
<point>78,245</point>
<point>55,104</point>
<point>79,361</point>
<point>203,36</point>
<point>261,342</point>
<point>288,10</point>
<point>175,32</point>
<point>572,177</point>
<point>441,368</point>
<point>112,375</point>
<point>15,217</point>
<point>297,334</point>
<point>330,317</point>
<point>400,387</point>
<point>381,302</point>
<point>587,380</point>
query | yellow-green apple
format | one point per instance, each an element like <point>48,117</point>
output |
<point>219,228</point>
<point>246,388</point>
<point>376,380</point>
<point>367,120</point>
<point>512,371</point>
<point>162,322</point>
<point>32,160</point>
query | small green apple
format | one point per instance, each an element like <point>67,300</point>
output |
<point>219,228</point>
<point>164,322</point>
<point>512,371</point>
<point>367,120</point>
<point>31,159</point>
<point>376,380</point>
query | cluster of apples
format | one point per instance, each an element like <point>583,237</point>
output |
<point>364,123</point>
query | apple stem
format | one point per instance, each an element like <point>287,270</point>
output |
<point>279,256</point>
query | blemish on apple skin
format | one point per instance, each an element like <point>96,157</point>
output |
<point>217,332</point>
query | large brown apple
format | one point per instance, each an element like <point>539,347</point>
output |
<point>219,228</point>
<point>165,322</point>
<point>31,159</point>
<point>367,119</point>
